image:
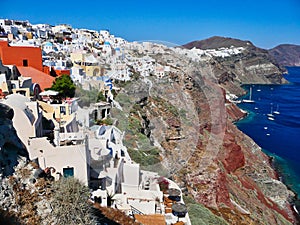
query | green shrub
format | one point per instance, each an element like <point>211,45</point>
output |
<point>145,158</point>
<point>101,97</point>
<point>70,202</point>
<point>107,121</point>
<point>200,215</point>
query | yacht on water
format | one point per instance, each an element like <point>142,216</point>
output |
<point>271,115</point>
<point>271,112</point>
<point>250,97</point>
<point>277,110</point>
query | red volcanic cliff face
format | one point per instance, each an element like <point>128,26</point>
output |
<point>201,148</point>
<point>234,113</point>
<point>228,172</point>
<point>222,191</point>
<point>234,158</point>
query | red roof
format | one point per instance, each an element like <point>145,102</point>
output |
<point>156,219</point>
<point>43,79</point>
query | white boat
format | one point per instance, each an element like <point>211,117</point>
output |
<point>258,90</point>
<point>271,118</point>
<point>277,110</point>
<point>236,101</point>
<point>271,113</point>
<point>296,209</point>
<point>250,97</point>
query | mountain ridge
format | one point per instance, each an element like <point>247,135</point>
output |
<point>251,65</point>
<point>283,54</point>
<point>218,42</point>
<point>286,54</point>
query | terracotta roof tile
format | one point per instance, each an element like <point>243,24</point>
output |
<point>43,79</point>
<point>156,219</point>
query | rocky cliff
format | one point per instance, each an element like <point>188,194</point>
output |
<point>11,147</point>
<point>186,118</point>
<point>286,54</point>
<point>251,65</point>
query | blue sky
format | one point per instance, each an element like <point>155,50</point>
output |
<point>266,23</point>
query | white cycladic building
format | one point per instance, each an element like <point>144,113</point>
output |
<point>27,118</point>
<point>71,160</point>
<point>77,74</point>
<point>104,33</point>
<point>132,177</point>
<point>68,160</point>
<point>61,28</point>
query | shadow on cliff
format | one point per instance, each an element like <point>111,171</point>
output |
<point>11,147</point>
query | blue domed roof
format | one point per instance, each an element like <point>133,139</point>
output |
<point>48,44</point>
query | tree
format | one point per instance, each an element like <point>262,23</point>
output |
<point>101,97</point>
<point>64,85</point>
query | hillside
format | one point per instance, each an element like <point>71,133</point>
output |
<point>286,54</point>
<point>185,117</point>
<point>174,118</point>
<point>218,42</point>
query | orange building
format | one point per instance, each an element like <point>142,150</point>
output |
<point>29,63</point>
<point>21,56</point>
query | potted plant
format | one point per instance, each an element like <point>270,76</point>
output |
<point>163,184</point>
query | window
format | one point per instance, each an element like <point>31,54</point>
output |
<point>63,110</point>
<point>68,172</point>
<point>25,62</point>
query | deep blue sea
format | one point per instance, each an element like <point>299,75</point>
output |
<point>280,137</point>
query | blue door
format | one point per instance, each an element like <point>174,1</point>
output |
<point>68,172</point>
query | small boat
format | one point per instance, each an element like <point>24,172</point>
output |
<point>255,108</point>
<point>271,118</point>
<point>265,128</point>
<point>258,90</point>
<point>250,97</point>
<point>277,110</point>
<point>268,134</point>
<point>294,207</point>
<point>271,113</point>
<point>236,101</point>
